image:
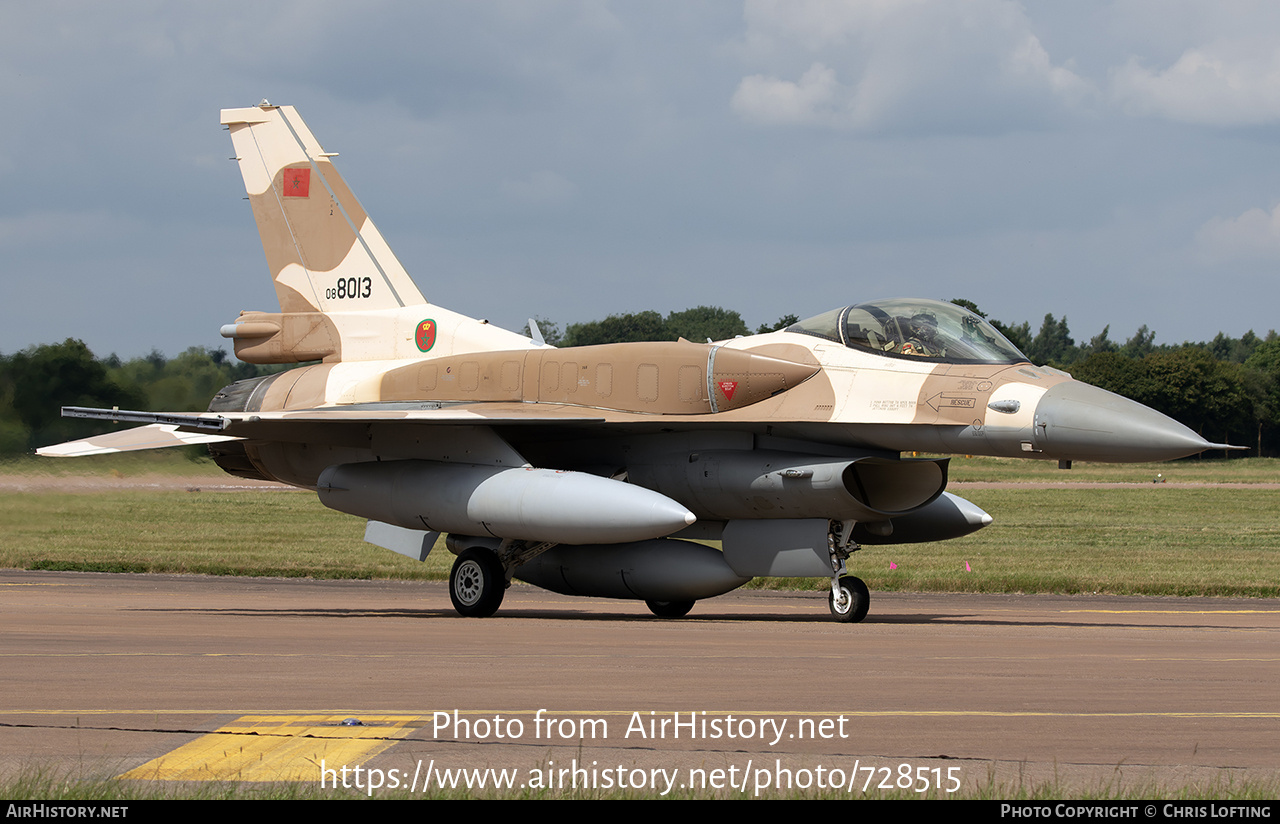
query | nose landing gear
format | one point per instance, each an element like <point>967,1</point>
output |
<point>849,598</point>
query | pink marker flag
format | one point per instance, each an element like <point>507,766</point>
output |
<point>966,567</point>
<point>892,565</point>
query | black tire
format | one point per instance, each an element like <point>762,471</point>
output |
<point>670,609</point>
<point>857,601</point>
<point>477,583</point>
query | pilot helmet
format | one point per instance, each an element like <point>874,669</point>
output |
<point>924,326</point>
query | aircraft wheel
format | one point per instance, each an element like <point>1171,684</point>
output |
<point>669,609</point>
<point>857,599</point>
<point>477,583</point>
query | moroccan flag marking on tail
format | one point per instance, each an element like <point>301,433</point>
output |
<point>297,182</point>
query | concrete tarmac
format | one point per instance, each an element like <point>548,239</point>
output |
<point>104,674</point>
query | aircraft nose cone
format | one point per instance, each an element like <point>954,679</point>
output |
<point>1077,421</point>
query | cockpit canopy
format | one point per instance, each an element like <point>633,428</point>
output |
<point>930,330</point>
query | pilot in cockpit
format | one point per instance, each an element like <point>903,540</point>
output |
<point>923,336</point>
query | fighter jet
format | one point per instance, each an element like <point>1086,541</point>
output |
<point>603,470</point>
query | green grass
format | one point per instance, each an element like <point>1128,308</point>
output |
<point>1148,539</point>
<point>185,461</point>
<point>285,533</point>
<point>1152,540</point>
<point>1186,471</point>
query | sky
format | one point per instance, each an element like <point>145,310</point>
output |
<point>1117,163</point>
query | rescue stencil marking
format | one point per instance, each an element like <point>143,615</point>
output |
<point>953,401</point>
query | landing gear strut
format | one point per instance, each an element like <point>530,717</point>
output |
<point>477,583</point>
<point>849,598</point>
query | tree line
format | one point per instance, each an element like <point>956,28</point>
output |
<point>1226,389</point>
<point>701,323</point>
<point>38,381</point>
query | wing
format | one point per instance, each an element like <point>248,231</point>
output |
<point>166,429</point>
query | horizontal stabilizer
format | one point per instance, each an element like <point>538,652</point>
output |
<point>155,436</point>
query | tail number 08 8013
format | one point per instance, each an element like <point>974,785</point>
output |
<point>349,288</point>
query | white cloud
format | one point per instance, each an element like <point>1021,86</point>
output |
<point>1224,83</point>
<point>924,65</point>
<point>817,97</point>
<point>1252,235</point>
<point>1028,64</point>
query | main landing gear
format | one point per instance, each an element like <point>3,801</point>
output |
<point>477,583</point>
<point>481,575</point>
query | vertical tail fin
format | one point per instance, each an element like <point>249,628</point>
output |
<point>324,253</point>
<point>343,295</point>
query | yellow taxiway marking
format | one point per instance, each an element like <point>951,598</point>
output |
<point>277,748</point>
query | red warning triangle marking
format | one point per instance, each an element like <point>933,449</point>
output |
<point>728,388</point>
